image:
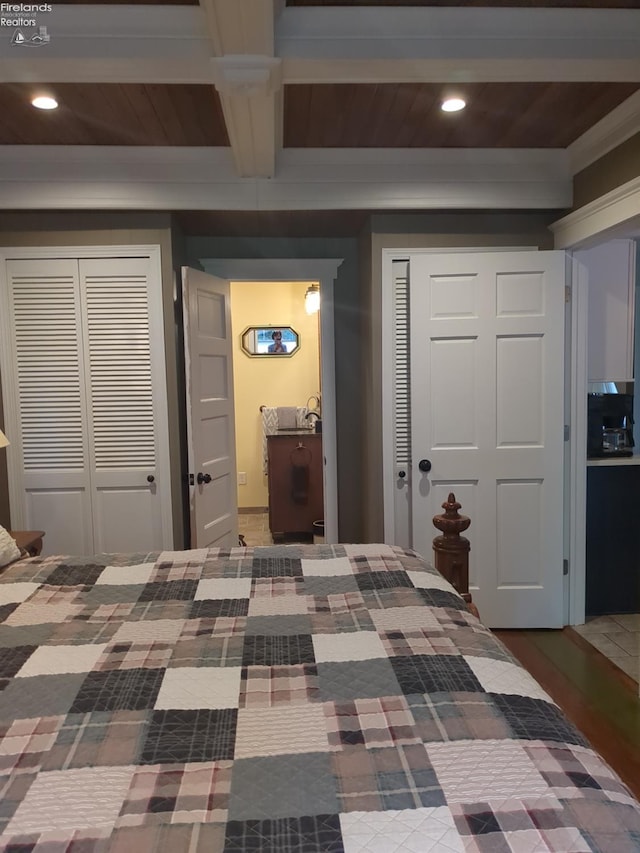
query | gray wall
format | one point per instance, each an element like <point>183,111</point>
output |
<point>103,229</point>
<point>446,230</point>
<point>347,325</point>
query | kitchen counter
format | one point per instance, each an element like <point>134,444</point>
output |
<point>615,460</point>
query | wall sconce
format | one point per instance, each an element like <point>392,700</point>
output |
<point>4,441</point>
<point>312,299</point>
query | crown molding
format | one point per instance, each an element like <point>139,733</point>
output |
<point>617,209</point>
<point>615,128</point>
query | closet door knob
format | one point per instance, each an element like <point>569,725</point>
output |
<point>424,465</point>
<point>203,478</point>
<point>402,474</point>
<point>151,478</point>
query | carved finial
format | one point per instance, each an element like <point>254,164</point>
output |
<point>451,523</point>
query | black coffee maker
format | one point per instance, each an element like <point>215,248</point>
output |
<point>609,425</point>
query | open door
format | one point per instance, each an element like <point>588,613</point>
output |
<point>213,505</point>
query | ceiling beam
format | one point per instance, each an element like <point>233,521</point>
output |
<point>248,79</point>
<point>114,177</point>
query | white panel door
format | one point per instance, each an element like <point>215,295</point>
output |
<point>125,383</point>
<point>487,395</point>
<point>44,385</point>
<point>210,412</point>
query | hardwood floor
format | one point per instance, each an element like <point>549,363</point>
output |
<point>600,699</point>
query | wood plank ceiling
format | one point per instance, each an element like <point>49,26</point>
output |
<point>113,114</point>
<point>498,115</point>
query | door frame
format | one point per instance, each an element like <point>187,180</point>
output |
<point>9,388</point>
<point>324,271</point>
<point>575,403</point>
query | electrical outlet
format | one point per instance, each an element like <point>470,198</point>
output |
<point>242,478</point>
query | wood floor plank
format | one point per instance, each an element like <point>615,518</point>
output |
<point>605,710</point>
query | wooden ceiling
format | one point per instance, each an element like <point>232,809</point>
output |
<point>407,115</point>
<point>498,115</point>
<point>113,114</point>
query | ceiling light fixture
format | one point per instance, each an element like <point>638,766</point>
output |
<point>312,299</point>
<point>453,105</point>
<point>44,102</point>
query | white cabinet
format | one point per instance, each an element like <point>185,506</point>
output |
<point>611,268</point>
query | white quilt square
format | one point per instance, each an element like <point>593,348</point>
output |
<point>151,631</point>
<point>118,575</point>
<point>56,660</point>
<point>365,549</point>
<point>327,568</point>
<point>278,605</point>
<point>425,580</point>
<point>12,592</point>
<point>217,588</point>
<point>422,830</point>
<point>280,731</point>
<point>71,800</point>
<point>501,676</point>
<point>478,771</point>
<point>404,619</point>
<point>194,555</point>
<point>192,687</point>
<point>361,645</point>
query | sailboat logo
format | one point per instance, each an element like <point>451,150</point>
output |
<point>41,37</point>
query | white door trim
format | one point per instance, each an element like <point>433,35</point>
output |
<point>577,475</point>
<point>9,391</point>
<point>324,271</point>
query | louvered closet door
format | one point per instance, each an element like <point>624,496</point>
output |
<point>49,397</point>
<point>125,378</point>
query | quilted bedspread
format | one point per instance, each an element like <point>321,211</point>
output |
<point>293,698</point>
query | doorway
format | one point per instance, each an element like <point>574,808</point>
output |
<point>278,407</point>
<point>324,272</point>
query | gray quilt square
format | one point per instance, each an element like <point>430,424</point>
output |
<point>335,585</point>
<point>51,695</point>
<point>101,594</point>
<point>25,635</point>
<point>282,786</point>
<point>360,679</point>
<point>269,626</point>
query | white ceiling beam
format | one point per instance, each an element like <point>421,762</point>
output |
<point>240,26</point>
<point>331,44</point>
<point>248,79</point>
<point>64,177</point>
<point>620,124</point>
<point>457,33</point>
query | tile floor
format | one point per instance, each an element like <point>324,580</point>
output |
<point>254,526</point>
<point>618,638</point>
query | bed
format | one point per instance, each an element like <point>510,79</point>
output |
<point>286,698</point>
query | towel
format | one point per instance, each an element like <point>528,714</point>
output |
<point>287,417</point>
<point>271,421</point>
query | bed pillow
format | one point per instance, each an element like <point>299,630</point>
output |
<point>9,551</point>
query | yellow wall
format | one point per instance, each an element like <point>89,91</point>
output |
<point>284,381</point>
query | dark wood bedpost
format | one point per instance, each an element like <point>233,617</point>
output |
<point>451,551</point>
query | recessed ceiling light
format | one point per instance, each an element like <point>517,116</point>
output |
<point>452,105</point>
<point>44,102</point>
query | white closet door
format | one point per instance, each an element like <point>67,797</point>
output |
<point>487,411</point>
<point>125,376</point>
<point>48,460</point>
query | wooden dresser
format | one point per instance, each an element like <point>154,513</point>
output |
<point>295,482</point>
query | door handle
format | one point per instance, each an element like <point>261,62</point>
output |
<point>424,465</point>
<point>203,478</point>
<point>150,478</point>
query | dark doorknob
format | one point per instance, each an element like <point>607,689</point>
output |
<point>203,478</point>
<point>424,465</point>
<point>402,474</point>
<point>150,478</point>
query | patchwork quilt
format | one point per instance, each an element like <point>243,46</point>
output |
<point>295,698</point>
